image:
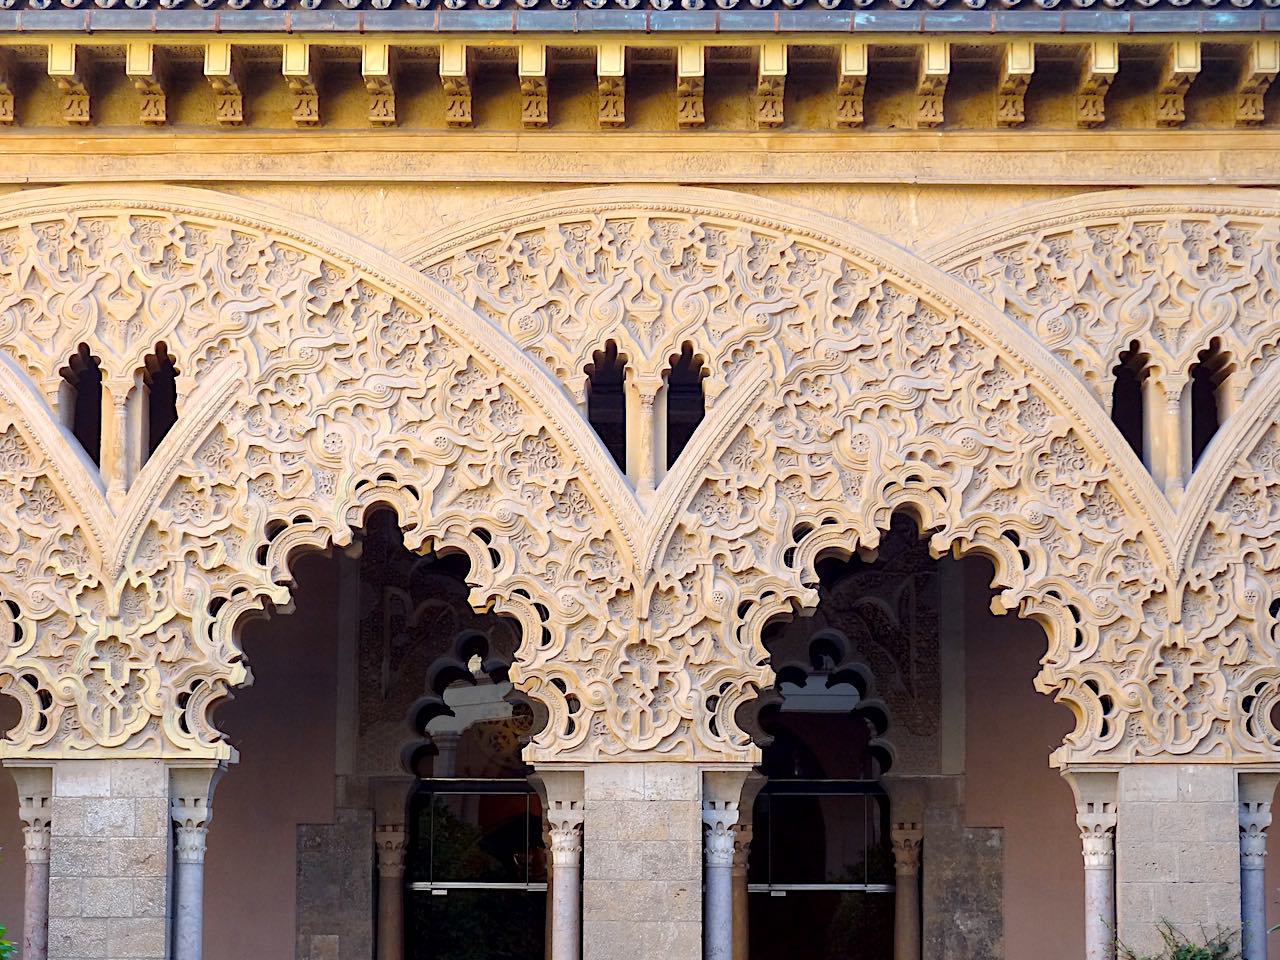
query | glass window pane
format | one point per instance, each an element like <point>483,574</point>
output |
<point>476,925</point>
<point>827,925</point>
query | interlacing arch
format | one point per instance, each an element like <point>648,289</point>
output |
<point>851,381</point>
<point>1175,276</point>
<point>322,381</point>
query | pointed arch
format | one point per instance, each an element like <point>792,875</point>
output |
<point>331,380</point>
<point>850,380</point>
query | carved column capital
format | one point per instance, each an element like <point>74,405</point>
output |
<point>564,818</point>
<point>35,809</point>
<point>191,809</point>
<point>743,833</point>
<point>720,819</point>
<point>1255,818</point>
<point>191,816</point>
<point>907,839</point>
<point>390,842</point>
<point>1097,823</point>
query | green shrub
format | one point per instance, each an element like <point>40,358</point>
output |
<point>1220,945</point>
<point>7,947</point>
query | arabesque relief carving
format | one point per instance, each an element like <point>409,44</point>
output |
<point>315,389</point>
<point>849,381</point>
<point>1089,278</point>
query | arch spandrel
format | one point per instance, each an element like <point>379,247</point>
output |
<point>862,382</point>
<point>327,380</point>
<point>1091,274</point>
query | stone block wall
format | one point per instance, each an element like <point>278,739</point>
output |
<point>642,862</point>
<point>109,860</point>
<point>1177,851</point>
<point>335,888</point>
<point>963,880</point>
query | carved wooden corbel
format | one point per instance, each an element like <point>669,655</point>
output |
<point>302,83</point>
<point>533,85</point>
<point>6,88</point>
<point>931,82</point>
<point>376,68</point>
<point>1101,64</point>
<point>64,68</point>
<point>691,76</point>
<point>1181,64</point>
<point>771,85</point>
<point>852,84</point>
<point>221,70</point>
<point>611,82</point>
<point>1016,68</point>
<point>455,78</point>
<point>1261,64</point>
<point>145,67</point>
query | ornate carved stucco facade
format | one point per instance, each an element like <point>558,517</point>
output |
<point>906,302</point>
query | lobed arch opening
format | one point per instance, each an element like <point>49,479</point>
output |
<point>376,522</point>
<point>907,633</point>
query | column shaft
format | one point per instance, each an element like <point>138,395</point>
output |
<point>720,819</point>
<point>35,802</point>
<point>741,904</point>
<point>191,807</point>
<point>188,910</point>
<point>907,841</point>
<point>1256,792</point>
<point>1096,792</point>
<point>566,818</point>
<point>390,842</point>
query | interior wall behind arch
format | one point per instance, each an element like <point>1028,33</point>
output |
<point>284,726</point>
<point>13,868</point>
<point>1010,732</point>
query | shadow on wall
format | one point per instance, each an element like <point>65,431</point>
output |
<point>1010,731</point>
<point>12,866</point>
<point>284,727</point>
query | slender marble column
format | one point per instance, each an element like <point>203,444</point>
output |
<point>565,819</point>
<point>907,840</point>
<point>390,842</point>
<point>1096,793</point>
<point>719,818</point>
<point>551,892</point>
<point>191,807</point>
<point>1097,824</point>
<point>1256,792</point>
<point>743,833</point>
<point>35,802</point>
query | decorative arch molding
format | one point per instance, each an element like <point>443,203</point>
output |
<point>329,379</point>
<point>1091,274</point>
<point>851,380</point>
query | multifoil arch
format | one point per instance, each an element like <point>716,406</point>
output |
<point>322,379</point>
<point>851,380</point>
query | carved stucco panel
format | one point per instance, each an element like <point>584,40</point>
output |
<point>851,380</point>
<point>848,388</point>
<point>322,384</point>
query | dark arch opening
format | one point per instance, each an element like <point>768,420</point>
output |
<point>912,642</point>
<point>1211,368</point>
<point>686,403</point>
<point>607,401</point>
<point>161,380</point>
<point>1128,412</point>
<point>384,656</point>
<point>83,400</point>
